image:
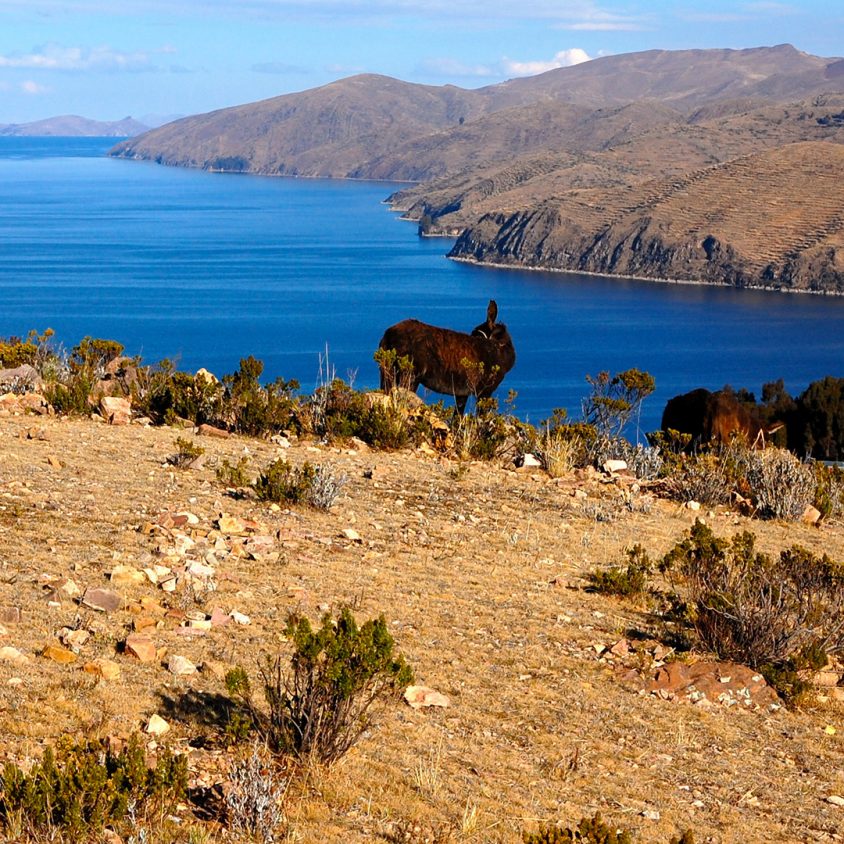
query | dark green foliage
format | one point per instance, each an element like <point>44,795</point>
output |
<point>168,394</point>
<point>283,483</point>
<point>85,785</point>
<point>186,453</point>
<point>821,415</point>
<point>254,410</point>
<point>233,476</point>
<point>624,581</point>
<point>589,831</point>
<point>616,399</point>
<point>777,614</point>
<point>322,703</point>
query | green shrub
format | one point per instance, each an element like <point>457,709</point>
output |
<point>233,476</point>
<point>187,453</point>
<point>776,614</point>
<point>84,785</point>
<point>255,410</point>
<point>283,483</point>
<point>590,831</point>
<point>624,581</point>
<point>321,705</point>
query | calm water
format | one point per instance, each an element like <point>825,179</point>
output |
<point>209,268</point>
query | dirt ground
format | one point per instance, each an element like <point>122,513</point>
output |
<point>479,570</point>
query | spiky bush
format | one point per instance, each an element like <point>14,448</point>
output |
<point>624,581</point>
<point>283,483</point>
<point>83,786</point>
<point>777,614</point>
<point>321,704</point>
<point>780,485</point>
<point>254,798</point>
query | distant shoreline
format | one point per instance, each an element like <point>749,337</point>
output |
<point>657,280</point>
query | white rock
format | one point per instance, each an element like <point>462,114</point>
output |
<point>835,800</point>
<point>693,505</point>
<point>420,696</point>
<point>612,466</point>
<point>181,666</point>
<point>239,617</point>
<point>156,726</point>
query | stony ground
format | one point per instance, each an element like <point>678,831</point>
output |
<point>479,570</point>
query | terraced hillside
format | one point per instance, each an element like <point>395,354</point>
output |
<point>770,219</point>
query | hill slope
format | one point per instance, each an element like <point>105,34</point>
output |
<point>71,125</point>
<point>770,219</point>
<point>353,127</point>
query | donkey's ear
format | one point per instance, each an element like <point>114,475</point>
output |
<point>491,313</point>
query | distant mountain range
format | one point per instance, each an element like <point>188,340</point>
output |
<point>71,125</point>
<point>568,156</point>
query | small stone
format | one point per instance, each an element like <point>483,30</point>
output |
<point>106,669</point>
<point>141,647</point>
<point>836,800</point>
<point>693,505</point>
<point>180,666</point>
<point>418,697</point>
<point>352,534</point>
<point>231,525</point>
<point>10,654</point>
<point>206,430</point>
<point>240,618</point>
<point>74,639</point>
<point>156,726</point>
<point>126,576</point>
<point>10,615</point>
<point>613,466</point>
<point>811,515</point>
<point>219,618</point>
<point>58,654</point>
<point>528,461</point>
<point>104,600</point>
<point>580,494</point>
<point>54,462</point>
<point>651,814</point>
<point>69,587</point>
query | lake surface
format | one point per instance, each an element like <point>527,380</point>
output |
<point>208,268</point>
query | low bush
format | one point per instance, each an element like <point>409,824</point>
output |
<point>326,486</point>
<point>186,455</point>
<point>233,476</point>
<point>781,487</point>
<point>320,705</point>
<point>624,581</point>
<point>776,614</point>
<point>283,483</point>
<point>592,830</point>
<point>83,786</point>
<point>255,796</point>
<point>702,478</point>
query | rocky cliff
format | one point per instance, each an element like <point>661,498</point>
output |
<point>773,219</point>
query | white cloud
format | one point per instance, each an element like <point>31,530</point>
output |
<point>33,88</point>
<point>564,58</point>
<point>58,57</point>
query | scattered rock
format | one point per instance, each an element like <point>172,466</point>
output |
<point>74,639</point>
<point>10,654</point>
<point>126,576</point>
<point>141,647</point>
<point>811,515</point>
<point>421,696</point>
<point>240,618</point>
<point>351,534</point>
<point>528,461</point>
<point>54,462</point>
<point>613,466</point>
<point>116,410</point>
<point>181,666</point>
<point>206,430</point>
<point>58,654</point>
<point>10,615</point>
<point>836,800</point>
<point>156,726</point>
<point>104,600</point>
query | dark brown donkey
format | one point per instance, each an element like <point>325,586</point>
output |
<point>451,362</point>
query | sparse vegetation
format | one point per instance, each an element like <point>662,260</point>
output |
<point>83,786</point>
<point>338,675</point>
<point>186,455</point>
<point>625,581</point>
<point>254,798</point>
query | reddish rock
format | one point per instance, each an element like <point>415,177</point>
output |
<point>206,430</point>
<point>10,615</point>
<point>116,410</point>
<point>141,647</point>
<point>104,600</point>
<point>421,696</point>
<point>58,654</point>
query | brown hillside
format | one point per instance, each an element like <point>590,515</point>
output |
<point>772,219</point>
<point>354,127</point>
<point>480,573</point>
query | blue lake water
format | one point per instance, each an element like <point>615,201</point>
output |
<point>208,268</point>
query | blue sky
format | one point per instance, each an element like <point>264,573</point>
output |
<point>106,59</point>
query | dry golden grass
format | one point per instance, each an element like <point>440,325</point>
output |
<point>480,575</point>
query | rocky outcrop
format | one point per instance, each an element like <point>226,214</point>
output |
<point>774,220</point>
